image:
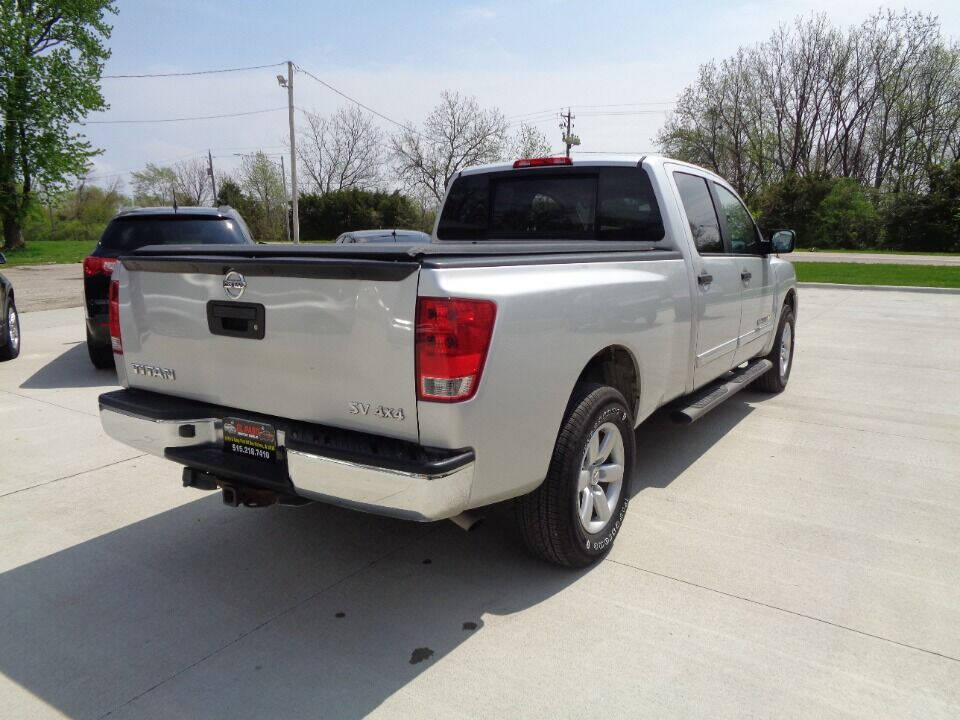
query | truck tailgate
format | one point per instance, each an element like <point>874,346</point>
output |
<point>329,341</point>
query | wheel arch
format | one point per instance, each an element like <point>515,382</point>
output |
<point>790,299</point>
<point>617,367</point>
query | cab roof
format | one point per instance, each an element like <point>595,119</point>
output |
<point>597,160</point>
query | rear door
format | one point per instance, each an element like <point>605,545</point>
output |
<point>756,276</point>
<point>325,340</point>
<point>718,279</point>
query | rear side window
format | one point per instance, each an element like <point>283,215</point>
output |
<point>126,234</point>
<point>701,215</point>
<point>615,203</point>
<point>628,209</point>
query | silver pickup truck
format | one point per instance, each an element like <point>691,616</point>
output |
<point>560,303</point>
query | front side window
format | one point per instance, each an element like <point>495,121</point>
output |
<point>741,231</point>
<point>698,206</point>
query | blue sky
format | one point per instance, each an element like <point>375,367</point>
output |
<point>522,57</point>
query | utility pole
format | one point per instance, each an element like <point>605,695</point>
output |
<point>569,139</point>
<point>293,155</point>
<point>213,180</point>
<point>286,212</point>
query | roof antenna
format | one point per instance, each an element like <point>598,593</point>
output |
<point>173,192</point>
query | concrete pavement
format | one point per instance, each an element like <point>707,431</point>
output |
<point>874,258</point>
<point>789,556</point>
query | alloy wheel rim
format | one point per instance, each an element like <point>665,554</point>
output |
<point>13,329</point>
<point>786,347</point>
<point>601,478</point>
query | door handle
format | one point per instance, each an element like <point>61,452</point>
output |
<point>746,275</point>
<point>704,279</point>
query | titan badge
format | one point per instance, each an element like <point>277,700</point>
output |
<point>154,371</point>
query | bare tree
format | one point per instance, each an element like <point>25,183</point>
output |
<point>341,152</point>
<point>192,182</point>
<point>878,103</point>
<point>529,141</point>
<point>158,185</point>
<point>457,133</point>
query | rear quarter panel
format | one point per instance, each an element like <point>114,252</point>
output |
<point>551,320</point>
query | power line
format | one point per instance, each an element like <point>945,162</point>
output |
<point>538,112</point>
<point>195,72</point>
<point>119,173</point>
<point>658,102</point>
<point>355,101</point>
<point>181,119</point>
<point>552,111</point>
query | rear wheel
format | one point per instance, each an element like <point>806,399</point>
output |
<point>100,355</point>
<point>775,379</point>
<point>11,348</point>
<point>574,516</point>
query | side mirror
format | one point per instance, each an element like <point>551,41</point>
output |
<point>3,259</point>
<point>783,240</point>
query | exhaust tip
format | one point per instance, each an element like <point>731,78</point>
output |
<point>466,521</point>
<point>230,496</point>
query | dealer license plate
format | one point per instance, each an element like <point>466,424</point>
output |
<point>250,439</point>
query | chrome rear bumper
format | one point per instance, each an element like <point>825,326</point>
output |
<point>434,491</point>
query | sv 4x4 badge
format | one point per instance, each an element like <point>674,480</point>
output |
<point>359,408</point>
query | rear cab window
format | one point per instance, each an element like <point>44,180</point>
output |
<point>598,203</point>
<point>128,233</point>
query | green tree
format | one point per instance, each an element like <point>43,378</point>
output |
<point>929,222</point>
<point>262,182</point>
<point>154,185</point>
<point>325,216</point>
<point>848,216</point>
<point>51,57</point>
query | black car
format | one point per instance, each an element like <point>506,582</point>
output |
<point>9,319</point>
<point>132,229</point>
<point>383,236</point>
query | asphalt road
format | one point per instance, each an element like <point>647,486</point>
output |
<point>46,287</point>
<point>789,556</point>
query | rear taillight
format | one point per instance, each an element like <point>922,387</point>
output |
<point>115,340</point>
<point>98,265</point>
<point>542,162</point>
<point>452,338</point>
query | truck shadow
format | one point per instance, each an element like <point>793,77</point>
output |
<point>206,611</point>
<point>665,449</point>
<point>70,369</point>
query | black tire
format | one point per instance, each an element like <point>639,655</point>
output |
<point>775,379</point>
<point>549,516</point>
<point>10,348</point>
<point>100,355</point>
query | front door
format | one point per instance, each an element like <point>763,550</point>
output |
<point>718,281</point>
<point>756,275</point>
